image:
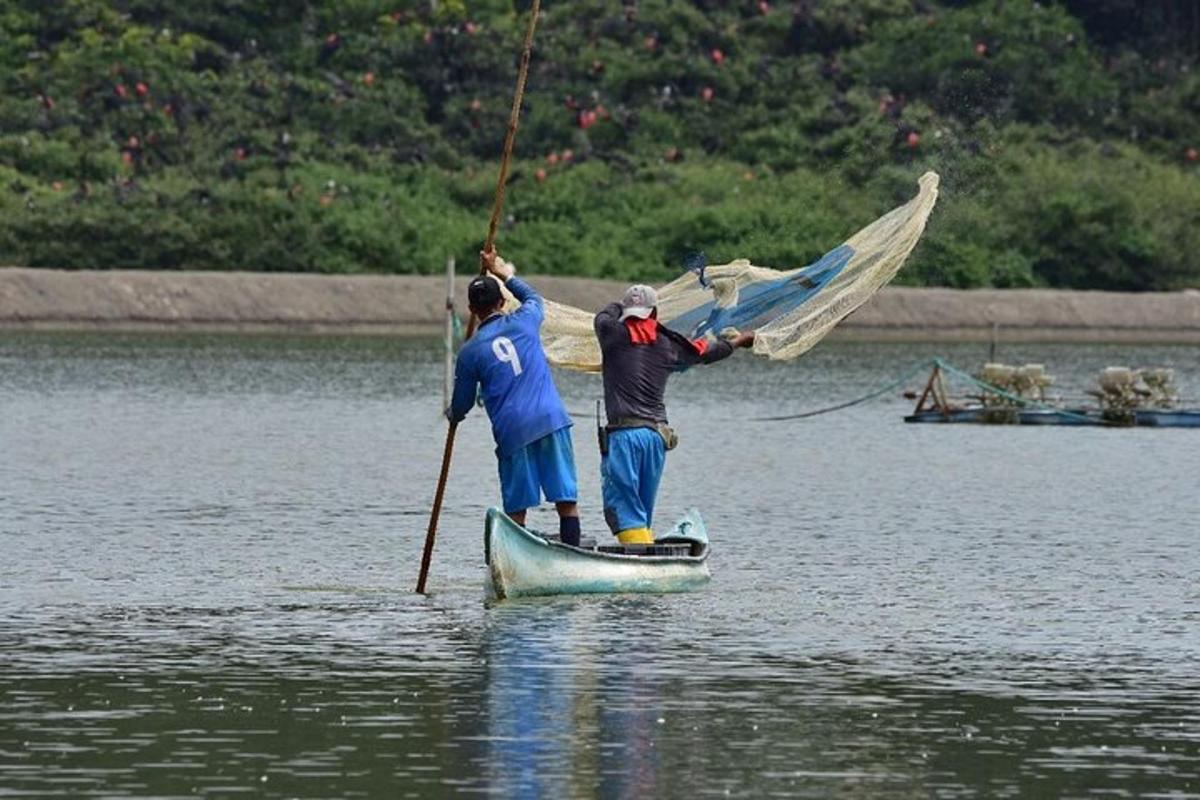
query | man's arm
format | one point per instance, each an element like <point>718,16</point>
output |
<point>527,296</point>
<point>608,324</point>
<point>701,351</point>
<point>505,272</point>
<point>465,388</point>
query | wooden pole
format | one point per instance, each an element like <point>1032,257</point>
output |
<point>510,136</point>
<point>430,534</point>
<point>928,390</point>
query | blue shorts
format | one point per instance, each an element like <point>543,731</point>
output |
<point>629,477</point>
<point>545,465</point>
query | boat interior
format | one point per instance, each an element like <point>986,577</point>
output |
<point>671,547</point>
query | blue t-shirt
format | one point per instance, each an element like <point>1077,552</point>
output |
<point>505,357</point>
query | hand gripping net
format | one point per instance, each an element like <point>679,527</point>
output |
<point>791,310</point>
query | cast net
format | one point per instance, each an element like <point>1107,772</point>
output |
<point>791,310</point>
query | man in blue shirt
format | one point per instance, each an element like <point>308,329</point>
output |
<point>529,423</point>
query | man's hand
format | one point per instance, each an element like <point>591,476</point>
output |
<point>745,339</point>
<point>491,261</point>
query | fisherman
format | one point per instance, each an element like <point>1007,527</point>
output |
<point>529,423</point>
<point>638,355</point>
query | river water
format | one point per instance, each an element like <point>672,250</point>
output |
<point>209,545</point>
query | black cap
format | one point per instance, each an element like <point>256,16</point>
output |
<point>483,293</point>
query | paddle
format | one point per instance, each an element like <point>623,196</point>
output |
<point>497,204</point>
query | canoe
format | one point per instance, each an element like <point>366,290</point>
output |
<point>522,563</point>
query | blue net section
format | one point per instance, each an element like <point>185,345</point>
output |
<point>760,303</point>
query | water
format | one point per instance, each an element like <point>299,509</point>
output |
<point>209,546</point>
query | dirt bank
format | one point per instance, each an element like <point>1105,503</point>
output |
<point>132,300</point>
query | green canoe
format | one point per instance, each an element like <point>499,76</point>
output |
<point>522,563</point>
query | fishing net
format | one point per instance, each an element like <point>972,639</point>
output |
<point>791,310</point>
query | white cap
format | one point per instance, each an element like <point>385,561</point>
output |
<point>639,301</point>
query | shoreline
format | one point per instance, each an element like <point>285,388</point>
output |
<point>408,305</point>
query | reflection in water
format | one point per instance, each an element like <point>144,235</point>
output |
<point>208,546</point>
<point>561,724</point>
<point>610,699</point>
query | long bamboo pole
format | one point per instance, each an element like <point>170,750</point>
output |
<point>514,118</point>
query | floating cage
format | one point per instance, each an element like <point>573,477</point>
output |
<point>1160,382</point>
<point>1027,382</point>
<point>1123,390</point>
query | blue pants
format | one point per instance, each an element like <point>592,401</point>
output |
<point>629,477</point>
<point>545,465</point>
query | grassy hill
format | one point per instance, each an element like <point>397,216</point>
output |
<point>363,136</point>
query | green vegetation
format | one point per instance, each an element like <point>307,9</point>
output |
<point>364,135</point>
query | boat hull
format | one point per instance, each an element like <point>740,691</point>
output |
<point>523,564</point>
<point>1141,418</point>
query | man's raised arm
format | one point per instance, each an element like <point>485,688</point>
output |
<point>505,272</point>
<point>607,323</point>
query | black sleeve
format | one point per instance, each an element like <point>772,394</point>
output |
<point>717,352</point>
<point>608,325</point>
<point>686,354</point>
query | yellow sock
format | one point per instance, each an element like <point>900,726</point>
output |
<point>636,536</point>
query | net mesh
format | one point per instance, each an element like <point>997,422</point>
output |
<point>791,310</point>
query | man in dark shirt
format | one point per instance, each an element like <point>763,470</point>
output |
<point>639,354</point>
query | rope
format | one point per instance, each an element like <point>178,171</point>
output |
<point>891,387</point>
<point>952,370</point>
